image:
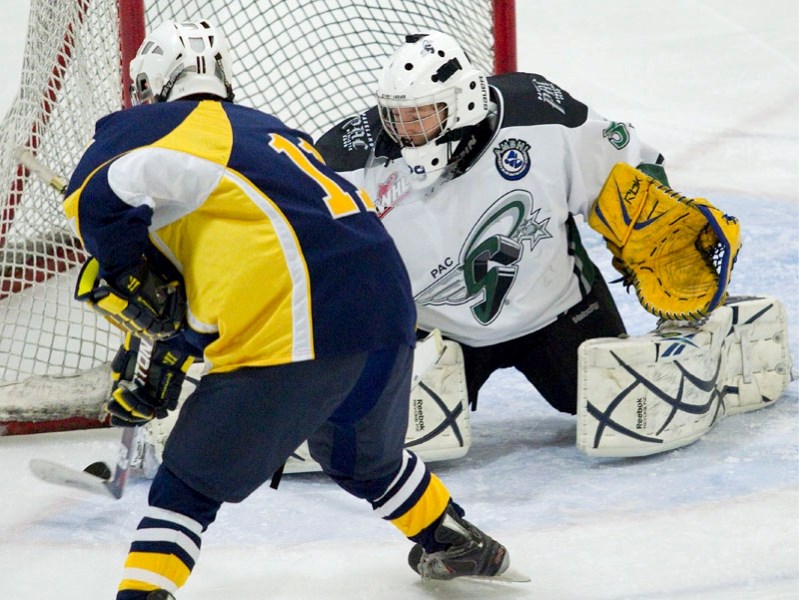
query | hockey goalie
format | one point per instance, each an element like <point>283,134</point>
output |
<point>710,356</point>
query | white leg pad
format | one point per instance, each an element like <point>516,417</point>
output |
<point>438,421</point>
<point>758,360</point>
<point>663,390</point>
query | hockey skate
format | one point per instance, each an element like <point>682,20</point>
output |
<point>160,595</point>
<point>472,553</point>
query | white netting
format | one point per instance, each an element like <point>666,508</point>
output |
<point>315,62</point>
<point>70,76</point>
<point>310,62</point>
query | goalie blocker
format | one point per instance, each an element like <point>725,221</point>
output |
<point>438,419</point>
<point>648,394</point>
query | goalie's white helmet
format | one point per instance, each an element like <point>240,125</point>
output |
<point>427,89</point>
<point>180,59</point>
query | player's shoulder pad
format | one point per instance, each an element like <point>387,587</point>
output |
<point>125,130</point>
<point>531,99</point>
<point>241,116</point>
<point>346,147</point>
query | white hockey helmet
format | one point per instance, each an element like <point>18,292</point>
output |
<point>431,72</point>
<point>180,59</point>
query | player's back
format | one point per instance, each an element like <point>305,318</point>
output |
<point>283,260</point>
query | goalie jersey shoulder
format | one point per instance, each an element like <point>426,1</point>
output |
<point>525,99</point>
<point>528,99</point>
<point>347,146</point>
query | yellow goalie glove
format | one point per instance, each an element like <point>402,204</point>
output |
<point>677,252</point>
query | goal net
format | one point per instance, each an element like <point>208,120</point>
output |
<point>312,63</point>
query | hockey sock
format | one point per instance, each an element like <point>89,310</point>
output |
<point>167,541</point>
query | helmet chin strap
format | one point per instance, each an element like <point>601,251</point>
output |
<point>462,146</point>
<point>222,76</point>
<point>423,173</point>
<point>163,95</point>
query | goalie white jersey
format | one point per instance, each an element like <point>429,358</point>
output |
<point>491,248</point>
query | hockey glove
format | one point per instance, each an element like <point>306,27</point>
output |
<point>140,301</point>
<point>145,391</point>
<point>677,252</point>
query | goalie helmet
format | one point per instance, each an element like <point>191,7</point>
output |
<point>181,59</point>
<point>427,90</point>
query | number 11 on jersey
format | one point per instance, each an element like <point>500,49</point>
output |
<point>339,202</point>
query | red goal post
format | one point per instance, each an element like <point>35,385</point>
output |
<point>312,63</point>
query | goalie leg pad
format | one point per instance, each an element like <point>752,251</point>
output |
<point>758,364</point>
<point>663,390</point>
<point>438,422</point>
<point>652,393</point>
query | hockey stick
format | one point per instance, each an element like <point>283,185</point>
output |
<point>97,476</point>
<point>59,474</point>
<point>26,158</point>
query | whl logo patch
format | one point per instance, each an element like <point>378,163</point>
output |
<point>513,158</point>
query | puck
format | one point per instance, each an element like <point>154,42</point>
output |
<point>99,469</point>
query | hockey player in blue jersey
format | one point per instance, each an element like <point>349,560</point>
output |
<point>215,231</point>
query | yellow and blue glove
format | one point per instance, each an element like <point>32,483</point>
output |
<point>140,301</point>
<point>145,387</point>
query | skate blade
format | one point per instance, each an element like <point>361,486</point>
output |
<point>508,576</point>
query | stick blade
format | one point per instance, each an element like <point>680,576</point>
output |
<point>58,474</point>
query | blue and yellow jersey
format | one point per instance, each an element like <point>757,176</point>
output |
<point>283,260</point>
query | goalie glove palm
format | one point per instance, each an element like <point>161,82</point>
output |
<point>150,393</point>
<point>140,302</point>
<point>677,252</point>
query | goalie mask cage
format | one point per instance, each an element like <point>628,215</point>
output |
<point>312,63</point>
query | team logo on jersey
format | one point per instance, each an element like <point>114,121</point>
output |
<point>549,93</point>
<point>617,135</point>
<point>513,158</point>
<point>488,260</point>
<point>356,134</point>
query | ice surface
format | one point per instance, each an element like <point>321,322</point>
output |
<point>715,85</point>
